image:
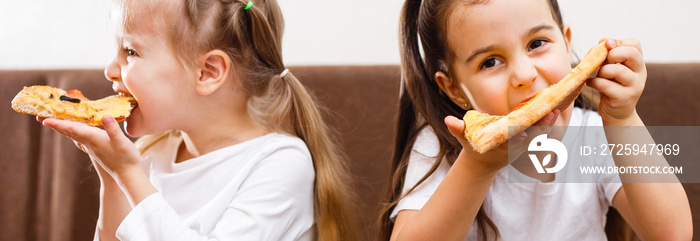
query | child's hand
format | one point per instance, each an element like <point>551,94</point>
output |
<point>495,159</point>
<point>110,148</point>
<point>620,80</point>
<point>456,128</point>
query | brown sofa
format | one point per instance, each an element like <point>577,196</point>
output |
<point>49,189</point>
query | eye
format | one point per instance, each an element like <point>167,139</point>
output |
<point>490,62</point>
<point>536,44</point>
<point>130,52</point>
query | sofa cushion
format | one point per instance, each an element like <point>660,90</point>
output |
<point>50,191</point>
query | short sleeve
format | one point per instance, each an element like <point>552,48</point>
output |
<point>609,190</point>
<point>608,183</point>
<point>423,156</point>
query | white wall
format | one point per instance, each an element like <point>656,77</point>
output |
<point>55,34</point>
<point>668,30</point>
<point>46,34</point>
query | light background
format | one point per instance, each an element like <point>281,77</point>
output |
<point>57,34</point>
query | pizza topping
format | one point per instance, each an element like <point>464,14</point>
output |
<point>58,109</point>
<point>69,99</point>
<point>477,121</point>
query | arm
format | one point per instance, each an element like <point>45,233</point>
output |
<point>114,153</point>
<point>122,181</point>
<point>114,206</point>
<point>656,211</point>
<point>656,207</point>
<point>449,213</point>
<point>451,210</point>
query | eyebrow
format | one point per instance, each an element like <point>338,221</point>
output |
<point>538,28</point>
<point>134,41</point>
<point>494,46</point>
<point>481,51</point>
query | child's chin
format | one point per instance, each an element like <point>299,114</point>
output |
<point>132,125</point>
<point>560,123</point>
<point>133,128</point>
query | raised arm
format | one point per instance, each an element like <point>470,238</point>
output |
<point>451,210</point>
<point>655,206</point>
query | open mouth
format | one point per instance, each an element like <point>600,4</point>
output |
<point>526,101</point>
<point>133,102</point>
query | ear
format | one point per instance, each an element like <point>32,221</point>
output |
<point>567,37</point>
<point>214,68</point>
<point>452,89</point>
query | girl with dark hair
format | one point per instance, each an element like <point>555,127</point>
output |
<point>490,56</point>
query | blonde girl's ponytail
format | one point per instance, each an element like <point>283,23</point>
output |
<point>251,33</point>
<point>332,190</point>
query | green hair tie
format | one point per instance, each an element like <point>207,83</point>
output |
<point>247,6</point>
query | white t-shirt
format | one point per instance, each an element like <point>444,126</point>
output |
<point>522,211</point>
<point>261,189</point>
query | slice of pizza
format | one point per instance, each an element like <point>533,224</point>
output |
<point>50,102</point>
<point>486,132</point>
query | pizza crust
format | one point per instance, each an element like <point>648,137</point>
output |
<point>486,132</point>
<point>45,101</point>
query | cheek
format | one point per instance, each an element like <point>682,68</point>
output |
<point>558,67</point>
<point>130,78</point>
<point>487,96</point>
<point>138,83</point>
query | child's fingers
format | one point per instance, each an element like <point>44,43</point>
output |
<point>627,55</point>
<point>633,42</point>
<point>612,43</point>
<point>520,141</point>
<point>456,128</point>
<point>627,52</point>
<point>455,125</point>
<point>61,127</point>
<point>606,86</point>
<point>548,120</point>
<point>117,138</point>
<point>619,73</point>
<point>73,130</point>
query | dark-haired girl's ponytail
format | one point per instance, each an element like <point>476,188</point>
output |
<point>414,72</point>
<point>411,67</point>
<point>422,103</point>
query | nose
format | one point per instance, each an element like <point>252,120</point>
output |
<point>113,71</point>
<point>524,73</point>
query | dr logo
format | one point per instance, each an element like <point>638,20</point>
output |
<point>542,143</point>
